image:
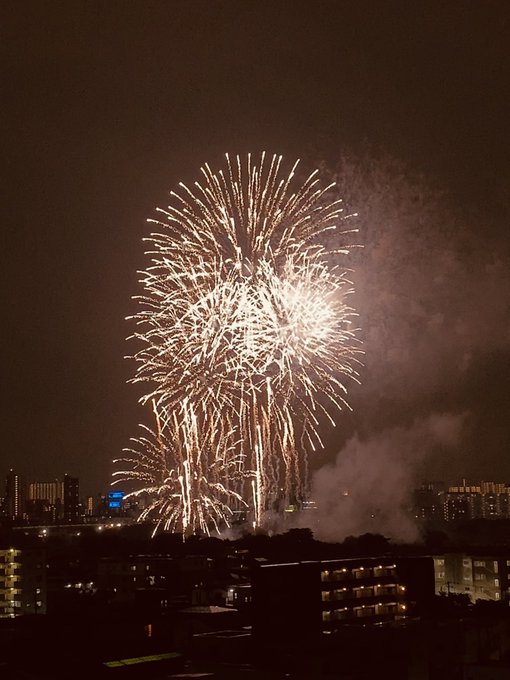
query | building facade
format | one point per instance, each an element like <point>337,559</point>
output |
<point>45,501</point>
<point>71,499</point>
<point>479,576</point>
<point>22,582</point>
<point>462,502</point>
<point>306,599</point>
<point>14,505</point>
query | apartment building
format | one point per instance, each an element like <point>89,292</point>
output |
<point>304,599</point>
<point>22,582</point>
<point>480,576</point>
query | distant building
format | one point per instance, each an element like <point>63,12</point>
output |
<point>462,506</point>
<point>115,503</point>
<point>71,499</point>
<point>89,506</point>
<point>14,496</point>
<point>22,582</point>
<point>45,501</point>
<point>52,492</point>
<point>494,505</point>
<point>429,501</point>
<point>462,502</point>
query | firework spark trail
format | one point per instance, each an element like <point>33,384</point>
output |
<point>177,466</point>
<point>244,325</point>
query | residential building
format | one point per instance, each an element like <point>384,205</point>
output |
<point>22,582</point>
<point>45,501</point>
<point>160,579</point>
<point>71,499</point>
<point>429,501</point>
<point>14,496</point>
<point>305,599</point>
<point>479,576</point>
<point>462,502</point>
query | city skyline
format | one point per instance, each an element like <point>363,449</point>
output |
<point>430,505</point>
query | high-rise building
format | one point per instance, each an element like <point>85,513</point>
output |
<point>46,491</point>
<point>14,501</point>
<point>71,498</point>
<point>45,500</point>
<point>428,501</point>
<point>462,502</point>
<point>89,508</point>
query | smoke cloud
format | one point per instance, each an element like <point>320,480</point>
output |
<point>368,488</point>
<point>433,295</point>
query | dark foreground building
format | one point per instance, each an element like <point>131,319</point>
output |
<point>303,600</point>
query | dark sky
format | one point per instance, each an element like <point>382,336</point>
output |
<point>107,105</point>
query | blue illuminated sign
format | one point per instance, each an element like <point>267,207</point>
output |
<point>115,495</point>
<point>114,504</point>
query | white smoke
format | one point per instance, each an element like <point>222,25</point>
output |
<point>368,488</point>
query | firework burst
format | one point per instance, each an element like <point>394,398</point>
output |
<point>245,340</point>
<point>180,474</point>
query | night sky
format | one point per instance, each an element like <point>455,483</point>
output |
<point>107,105</point>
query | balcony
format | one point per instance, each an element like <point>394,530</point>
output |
<point>335,595</point>
<point>362,573</point>
<point>336,575</point>
<point>385,570</point>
